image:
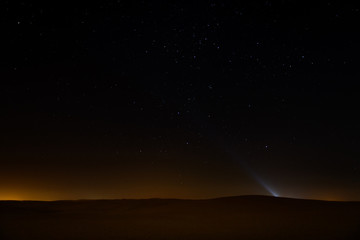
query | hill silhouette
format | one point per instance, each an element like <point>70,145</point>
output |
<point>244,217</point>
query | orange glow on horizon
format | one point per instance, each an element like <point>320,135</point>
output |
<point>9,197</point>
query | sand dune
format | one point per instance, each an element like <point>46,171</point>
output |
<point>246,217</point>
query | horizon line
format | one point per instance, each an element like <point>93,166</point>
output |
<point>183,199</point>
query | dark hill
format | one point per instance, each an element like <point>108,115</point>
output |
<point>246,217</point>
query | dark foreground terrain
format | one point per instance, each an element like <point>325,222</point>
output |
<point>248,217</point>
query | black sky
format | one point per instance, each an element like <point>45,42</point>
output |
<point>127,99</point>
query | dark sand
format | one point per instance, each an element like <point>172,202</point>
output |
<point>247,217</point>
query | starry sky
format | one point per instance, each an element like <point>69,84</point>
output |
<point>199,99</point>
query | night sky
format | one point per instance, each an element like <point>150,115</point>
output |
<point>127,99</point>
